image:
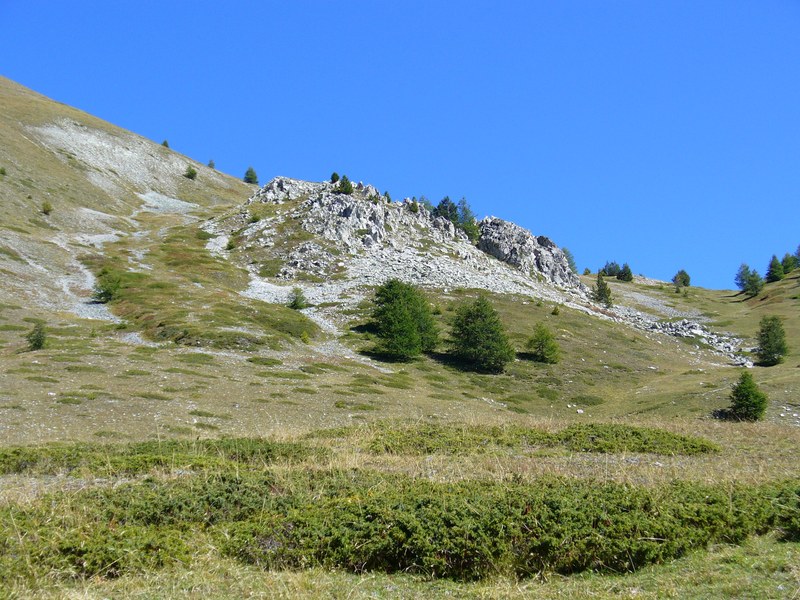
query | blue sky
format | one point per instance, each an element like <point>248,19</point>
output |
<point>663,134</point>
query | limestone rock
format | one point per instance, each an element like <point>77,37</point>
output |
<point>530,254</point>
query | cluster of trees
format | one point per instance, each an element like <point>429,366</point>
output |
<point>405,327</point>
<point>459,214</point>
<point>750,281</point>
<point>612,269</point>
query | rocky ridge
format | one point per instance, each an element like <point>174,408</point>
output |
<point>346,243</point>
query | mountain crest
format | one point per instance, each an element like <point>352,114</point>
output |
<point>405,236</point>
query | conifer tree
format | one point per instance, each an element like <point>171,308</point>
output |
<point>601,293</point>
<point>625,273</point>
<point>789,263</point>
<point>681,279</point>
<point>403,321</point>
<point>741,276</point>
<point>775,270</point>
<point>771,341</point>
<point>748,403</point>
<point>543,346</point>
<point>478,337</point>
<point>250,176</point>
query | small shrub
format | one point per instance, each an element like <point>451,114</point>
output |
<point>107,287</point>
<point>191,172</point>
<point>556,311</point>
<point>748,403</point>
<point>587,271</point>
<point>334,177</point>
<point>543,346</point>
<point>2,171</point>
<point>231,245</point>
<point>47,208</point>
<point>212,164</point>
<point>297,300</point>
<point>36,337</point>
<point>165,143</point>
<point>414,207</point>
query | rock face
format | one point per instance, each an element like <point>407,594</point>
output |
<point>521,249</point>
<point>365,222</point>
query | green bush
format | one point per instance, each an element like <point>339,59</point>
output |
<point>47,208</point>
<point>37,337</point>
<point>542,346</point>
<point>107,287</point>
<point>473,530</point>
<point>191,172</point>
<point>334,177</point>
<point>297,300</point>
<point>478,337</point>
<point>748,403</point>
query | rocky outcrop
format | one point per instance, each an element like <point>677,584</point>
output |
<point>535,256</point>
<point>365,222</point>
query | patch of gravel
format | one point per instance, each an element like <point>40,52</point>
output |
<point>159,203</point>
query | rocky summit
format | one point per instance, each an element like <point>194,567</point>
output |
<point>321,232</point>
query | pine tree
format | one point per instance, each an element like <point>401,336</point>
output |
<point>191,172</point>
<point>748,403</point>
<point>681,279</point>
<point>625,273</point>
<point>741,276</point>
<point>212,164</point>
<point>775,270</point>
<point>467,221</point>
<point>543,346</point>
<point>345,186</point>
<point>36,337</point>
<point>753,284</point>
<point>478,337</point>
<point>250,176</point>
<point>789,263</point>
<point>297,300</point>
<point>570,260</point>
<point>771,341</point>
<point>403,321</point>
<point>334,177</point>
<point>601,293</point>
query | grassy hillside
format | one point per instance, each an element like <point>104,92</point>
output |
<point>184,440</point>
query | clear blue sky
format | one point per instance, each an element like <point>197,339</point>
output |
<point>661,133</point>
